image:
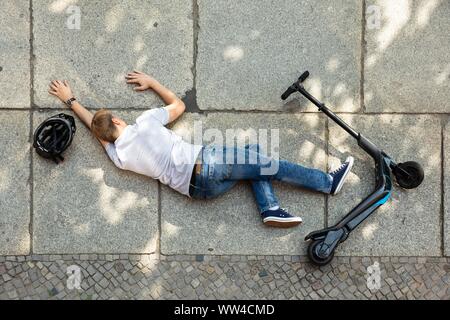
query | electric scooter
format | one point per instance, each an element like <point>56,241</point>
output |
<point>408,175</point>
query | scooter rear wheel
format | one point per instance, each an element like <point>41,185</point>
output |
<point>313,256</point>
<point>415,172</point>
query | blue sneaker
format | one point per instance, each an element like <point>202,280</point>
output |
<point>340,174</point>
<point>280,219</point>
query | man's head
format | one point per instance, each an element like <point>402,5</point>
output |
<point>107,127</point>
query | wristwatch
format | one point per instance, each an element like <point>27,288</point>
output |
<point>70,101</point>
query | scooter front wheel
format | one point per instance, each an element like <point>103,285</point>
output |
<point>313,254</point>
<point>414,176</point>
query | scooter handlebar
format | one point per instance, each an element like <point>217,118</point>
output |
<point>303,76</point>
<point>294,87</point>
<point>288,92</point>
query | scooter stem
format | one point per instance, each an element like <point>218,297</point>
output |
<point>328,112</point>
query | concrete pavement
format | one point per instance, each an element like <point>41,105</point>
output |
<point>231,61</point>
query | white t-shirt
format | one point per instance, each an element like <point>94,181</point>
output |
<point>148,147</point>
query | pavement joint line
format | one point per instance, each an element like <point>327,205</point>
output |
<point>212,111</point>
<point>31,185</point>
<point>363,56</point>
<point>442,211</point>
<point>195,30</point>
<point>327,164</point>
<point>158,241</point>
<point>32,58</point>
<point>31,134</point>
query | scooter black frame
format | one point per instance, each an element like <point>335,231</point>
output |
<point>325,241</point>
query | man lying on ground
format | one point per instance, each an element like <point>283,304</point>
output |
<point>200,172</point>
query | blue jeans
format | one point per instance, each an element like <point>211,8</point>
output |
<point>223,167</point>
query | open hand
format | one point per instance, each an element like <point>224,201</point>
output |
<point>142,80</point>
<point>61,89</point>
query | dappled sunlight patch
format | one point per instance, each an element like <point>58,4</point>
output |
<point>368,96</point>
<point>339,89</point>
<point>290,132</point>
<point>119,78</point>
<point>114,207</point>
<point>333,64</point>
<point>287,237</point>
<point>149,18</point>
<point>389,119</point>
<point>114,18</point>
<point>443,76</point>
<point>311,121</point>
<point>254,34</point>
<point>114,204</point>
<point>233,53</point>
<point>139,43</point>
<point>150,245</point>
<point>170,230</point>
<point>5,180</point>
<point>60,5</point>
<point>140,62</point>
<point>433,161</point>
<point>318,157</point>
<point>423,14</point>
<point>185,129</point>
<point>348,103</point>
<point>306,150</point>
<point>156,288</point>
<point>341,140</point>
<point>221,230</point>
<point>371,60</point>
<point>24,242</point>
<point>82,229</point>
<point>315,87</point>
<point>353,179</point>
<point>368,231</point>
<point>149,262</point>
<point>396,15</point>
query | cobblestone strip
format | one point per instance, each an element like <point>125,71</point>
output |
<point>229,277</point>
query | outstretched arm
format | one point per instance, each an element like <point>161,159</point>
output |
<point>62,90</point>
<point>175,106</point>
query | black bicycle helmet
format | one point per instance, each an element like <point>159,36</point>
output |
<point>54,136</point>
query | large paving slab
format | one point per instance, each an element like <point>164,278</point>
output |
<point>447,190</point>
<point>15,54</point>
<point>408,224</point>
<point>14,183</point>
<point>407,65</point>
<point>249,52</point>
<point>231,224</point>
<point>87,205</point>
<point>114,38</point>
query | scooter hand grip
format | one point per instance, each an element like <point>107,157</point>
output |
<point>304,76</point>
<point>287,93</point>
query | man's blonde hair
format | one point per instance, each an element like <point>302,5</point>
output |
<point>102,126</point>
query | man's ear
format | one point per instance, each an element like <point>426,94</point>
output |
<point>116,121</point>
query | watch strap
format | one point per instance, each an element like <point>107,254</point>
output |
<point>70,101</point>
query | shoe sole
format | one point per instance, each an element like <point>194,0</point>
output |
<point>282,223</point>
<point>350,160</point>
